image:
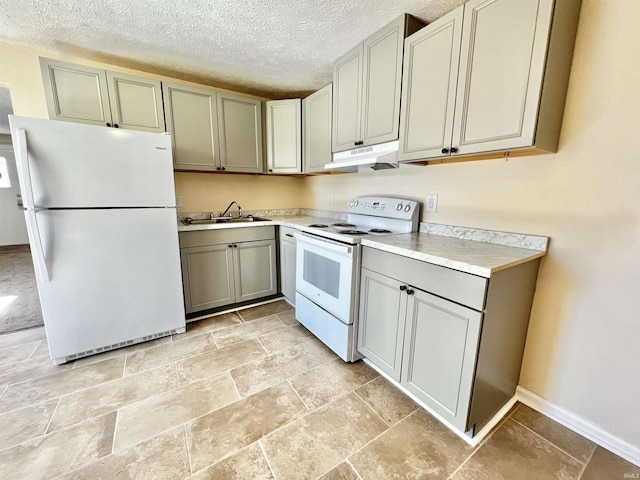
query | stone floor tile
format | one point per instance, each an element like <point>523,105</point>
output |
<point>353,374</point>
<point>37,365</point>
<point>22,336</point>
<point>288,317</point>
<point>513,451</point>
<point>319,386</point>
<point>218,434</point>
<point>59,452</point>
<point>417,447</point>
<point>386,400</point>
<point>61,383</point>
<point>272,370</point>
<point>605,465</point>
<point>249,463</point>
<point>154,357</point>
<point>210,324</point>
<point>253,313</point>
<point>162,412</point>
<point>159,458</point>
<point>220,360</point>
<point>566,440</point>
<point>285,338</point>
<point>26,423</point>
<point>341,472</point>
<point>321,350</point>
<point>319,441</point>
<point>17,353</point>
<point>107,397</point>
<point>245,331</point>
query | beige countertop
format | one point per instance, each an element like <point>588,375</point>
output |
<point>471,256</point>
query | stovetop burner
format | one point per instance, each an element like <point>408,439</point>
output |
<point>319,225</point>
<point>380,230</point>
<point>354,232</point>
<point>348,225</point>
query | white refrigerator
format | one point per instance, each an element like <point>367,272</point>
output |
<point>100,210</point>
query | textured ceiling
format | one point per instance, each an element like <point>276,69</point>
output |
<point>275,48</point>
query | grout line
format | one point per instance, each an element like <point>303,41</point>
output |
<point>370,408</point>
<point>264,453</point>
<point>32,351</point>
<point>115,428</point>
<point>228,372</point>
<point>348,462</point>
<point>55,409</point>
<point>586,464</point>
<point>175,368</point>
<point>296,392</point>
<point>186,446</point>
<point>548,441</point>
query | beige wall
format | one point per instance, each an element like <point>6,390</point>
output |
<point>582,348</point>
<point>584,337</point>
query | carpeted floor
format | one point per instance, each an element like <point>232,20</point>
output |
<point>19,303</point>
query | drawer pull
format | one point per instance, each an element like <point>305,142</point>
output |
<point>410,292</point>
<point>289,235</point>
<point>403,288</point>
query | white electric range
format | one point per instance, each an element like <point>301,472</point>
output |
<point>328,266</point>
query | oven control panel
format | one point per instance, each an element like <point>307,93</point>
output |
<point>385,206</point>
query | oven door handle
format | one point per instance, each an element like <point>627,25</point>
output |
<point>324,243</point>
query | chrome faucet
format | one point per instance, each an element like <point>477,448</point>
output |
<point>230,205</point>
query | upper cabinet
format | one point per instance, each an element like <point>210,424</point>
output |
<point>78,93</point>
<point>193,124</point>
<point>507,92</point>
<point>240,133</point>
<point>213,131</point>
<point>367,81</point>
<point>316,130</point>
<point>284,136</point>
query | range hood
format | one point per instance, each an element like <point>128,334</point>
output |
<point>373,157</point>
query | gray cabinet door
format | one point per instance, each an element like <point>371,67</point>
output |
<point>288,269</point>
<point>381,79</point>
<point>75,93</point>
<point>316,129</point>
<point>255,269</point>
<point>192,122</point>
<point>431,59</point>
<point>240,133</point>
<point>284,136</point>
<point>207,276</point>
<point>382,321</point>
<point>502,60</point>
<point>441,344</point>
<point>136,103</point>
<point>347,99</point>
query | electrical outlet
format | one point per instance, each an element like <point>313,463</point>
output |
<point>178,201</point>
<point>432,203</point>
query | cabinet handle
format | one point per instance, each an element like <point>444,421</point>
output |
<point>235,246</point>
<point>108,124</point>
<point>445,150</point>
<point>403,288</point>
<point>217,168</point>
<point>116,125</point>
<point>410,292</point>
<point>454,149</point>
<point>270,170</point>
<point>223,168</point>
<point>230,246</point>
<point>288,235</point>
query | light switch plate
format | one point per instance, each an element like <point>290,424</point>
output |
<point>432,203</point>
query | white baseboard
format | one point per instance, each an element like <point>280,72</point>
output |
<point>581,426</point>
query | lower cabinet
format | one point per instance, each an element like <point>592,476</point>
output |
<point>288,264</point>
<point>453,340</point>
<point>226,266</point>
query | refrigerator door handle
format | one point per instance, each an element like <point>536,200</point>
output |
<point>22,152</point>
<point>36,246</point>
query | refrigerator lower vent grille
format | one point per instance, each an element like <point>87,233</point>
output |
<point>107,348</point>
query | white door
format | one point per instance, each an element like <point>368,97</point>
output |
<point>113,275</point>
<point>13,230</point>
<point>73,165</point>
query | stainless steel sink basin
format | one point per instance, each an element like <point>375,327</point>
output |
<point>212,221</point>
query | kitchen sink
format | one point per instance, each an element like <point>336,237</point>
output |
<point>215,220</point>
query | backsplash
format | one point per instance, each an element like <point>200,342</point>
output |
<point>284,212</point>
<point>533,242</point>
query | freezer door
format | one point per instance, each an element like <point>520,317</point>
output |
<point>72,165</point>
<point>113,275</point>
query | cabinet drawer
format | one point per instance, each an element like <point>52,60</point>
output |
<point>459,287</point>
<point>200,238</point>
<point>286,234</point>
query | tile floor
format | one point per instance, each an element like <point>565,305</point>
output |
<point>251,395</point>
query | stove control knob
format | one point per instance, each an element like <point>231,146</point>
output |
<point>351,204</point>
<point>407,208</point>
<point>355,203</point>
<point>399,207</point>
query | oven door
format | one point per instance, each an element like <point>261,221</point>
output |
<point>325,274</point>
